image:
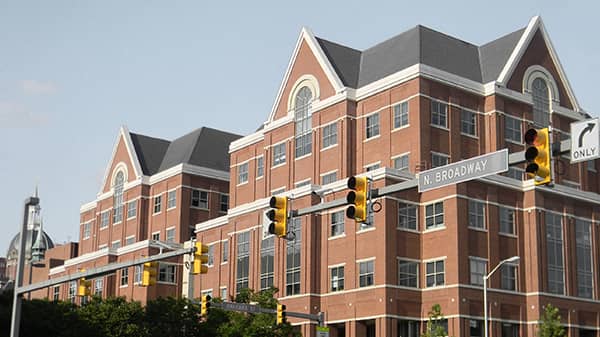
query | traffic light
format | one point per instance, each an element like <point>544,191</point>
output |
<point>279,215</point>
<point>149,274</point>
<point>205,305</point>
<point>538,156</point>
<point>84,288</point>
<point>358,198</point>
<point>281,315</point>
<point>200,259</point>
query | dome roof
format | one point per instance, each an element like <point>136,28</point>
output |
<point>13,247</point>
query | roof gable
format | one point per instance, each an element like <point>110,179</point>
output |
<point>123,152</point>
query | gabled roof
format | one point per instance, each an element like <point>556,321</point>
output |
<point>203,147</point>
<point>495,54</point>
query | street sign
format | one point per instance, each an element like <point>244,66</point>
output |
<point>232,306</point>
<point>322,331</point>
<point>468,169</point>
<point>585,140</point>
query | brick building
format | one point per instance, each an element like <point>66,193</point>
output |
<point>153,193</point>
<point>418,100</point>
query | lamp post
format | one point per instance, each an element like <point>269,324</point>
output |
<point>485,280</point>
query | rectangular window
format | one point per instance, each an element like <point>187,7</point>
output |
<point>171,235</point>
<point>292,270</point>
<point>512,129</point>
<point>260,166</point>
<point>99,288</point>
<point>434,273</point>
<point>329,178</point>
<point>124,277</point>
<point>131,209</point>
<point>468,122</point>
<point>72,291</point>
<point>515,173</point>
<point>476,328</point>
<point>510,330</point>
<point>478,270</point>
<point>225,251</point>
<point>56,293</point>
<point>87,230</point>
<point>508,278</point>
<point>166,273</point>
<point>116,244</point>
<point>337,223</point>
<point>211,255</point>
<point>372,167</point>
<point>279,154</point>
<point>583,239</point>
<point>434,215</point>
<point>104,216</point>
<point>156,236</point>
<point>366,273</point>
<point>223,203</point>
<point>554,239</point>
<point>302,183</point>
<point>224,294</point>
<point>476,214</point>
<point>408,328</point>
<point>129,240</point>
<point>439,113</point>
<point>243,261</point>
<point>591,165</point>
<point>242,173</point>
<point>401,163</point>
<point>157,203</point>
<point>171,199</point>
<point>267,262</point>
<point>137,274</point>
<point>329,135</point>
<point>408,273</point>
<point>337,278</point>
<point>372,126</point>
<point>438,159</point>
<point>407,216</point>
<point>200,199</point>
<point>507,220</point>
<point>400,115</point>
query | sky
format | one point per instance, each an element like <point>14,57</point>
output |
<point>73,72</point>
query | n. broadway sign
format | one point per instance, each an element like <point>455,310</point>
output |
<point>472,168</point>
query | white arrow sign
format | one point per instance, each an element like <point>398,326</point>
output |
<point>585,140</point>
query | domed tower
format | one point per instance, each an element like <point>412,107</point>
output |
<point>35,243</point>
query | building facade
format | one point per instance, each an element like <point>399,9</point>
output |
<point>153,193</point>
<point>418,100</point>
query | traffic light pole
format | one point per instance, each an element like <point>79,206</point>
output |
<point>253,308</point>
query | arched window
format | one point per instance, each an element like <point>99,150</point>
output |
<point>541,102</point>
<point>303,120</point>
<point>118,197</point>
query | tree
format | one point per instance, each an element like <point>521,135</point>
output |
<point>435,327</point>
<point>550,323</point>
<point>114,317</point>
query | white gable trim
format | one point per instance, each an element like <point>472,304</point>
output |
<point>123,133</point>
<point>534,24</point>
<point>307,36</point>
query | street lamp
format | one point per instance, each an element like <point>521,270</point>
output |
<point>485,279</point>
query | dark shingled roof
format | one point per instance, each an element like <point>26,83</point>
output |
<point>204,147</point>
<point>420,45</point>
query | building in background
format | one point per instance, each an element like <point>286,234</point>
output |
<point>419,100</point>
<point>153,193</point>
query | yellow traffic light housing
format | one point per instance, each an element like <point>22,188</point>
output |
<point>150,270</point>
<point>538,155</point>
<point>200,259</point>
<point>205,305</point>
<point>84,288</point>
<point>281,314</point>
<point>358,198</point>
<point>278,215</point>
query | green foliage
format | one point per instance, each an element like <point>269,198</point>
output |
<point>550,323</point>
<point>434,323</point>
<point>161,317</point>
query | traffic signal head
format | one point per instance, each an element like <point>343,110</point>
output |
<point>205,305</point>
<point>150,270</point>
<point>84,288</point>
<point>281,314</point>
<point>200,259</point>
<point>357,198</point>
<point>278,215</point>
<point>537,155</point>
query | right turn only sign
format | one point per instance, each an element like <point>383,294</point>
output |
<point>585,140</point>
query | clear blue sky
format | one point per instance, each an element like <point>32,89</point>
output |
<point>73,72</point>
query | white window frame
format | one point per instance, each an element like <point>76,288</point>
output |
<point>171,202</point>
<point>513,130</point>
<point>104,219</point>
<point>435,273</point>
<point>279,154</point>
<point>171,230</point>
<point>167,268</point>
<point>437,156</point>
<point>260,167</point>
<point>397,114</point>
<point>416,276</point>
<point>327,135</point>
<point>469,123</point>
<point>473,208</point>
<point>403,204</point>
<point>433,215</point>
<point>157,203</point>
<point>130,240</point>
<point>202,204</point>
<point>332,175</point>
<point>439,114</point>
<point>87,230</point>
<point>337,280</point>
<point>242,173</point>
<point>130,209</point>
<point>372,126</point>
<point>361,275</point>
<point>401,157</point>
<point>124,277</point>
<point>475,275</point>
